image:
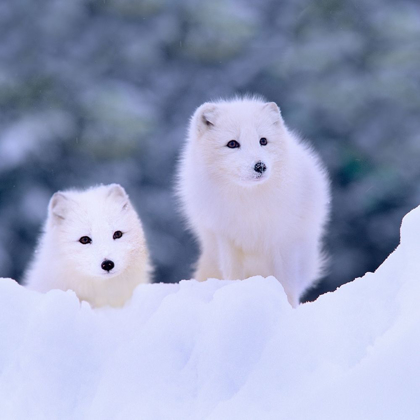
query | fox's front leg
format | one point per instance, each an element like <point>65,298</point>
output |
<point>230,260</point>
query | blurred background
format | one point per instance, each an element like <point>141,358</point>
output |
<point>101,91</point>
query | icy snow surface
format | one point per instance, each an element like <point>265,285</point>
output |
<point>219,350</point>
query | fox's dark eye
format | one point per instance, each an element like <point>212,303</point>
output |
<point>117,234</point>
<point>85,240</point>
<point>233,144</point>
<point>263,141</point>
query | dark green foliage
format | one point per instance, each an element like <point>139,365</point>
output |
<point>101,91</point>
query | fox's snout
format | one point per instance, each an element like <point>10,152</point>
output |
<point>260,167</point>
<point>107,265</point>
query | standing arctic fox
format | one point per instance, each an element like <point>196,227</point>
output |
<point>93,243</point>
<point>254,194</point>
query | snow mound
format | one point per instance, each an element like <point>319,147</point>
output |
<point>219,350</point>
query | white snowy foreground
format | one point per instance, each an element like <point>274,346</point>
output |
<point>219,350</point>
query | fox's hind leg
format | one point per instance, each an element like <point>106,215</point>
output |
<point>297,268</point>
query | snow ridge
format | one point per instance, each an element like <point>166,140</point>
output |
<point>219,350</point>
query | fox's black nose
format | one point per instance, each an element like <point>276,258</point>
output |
<point>107,265</point>
<point>260,167</point>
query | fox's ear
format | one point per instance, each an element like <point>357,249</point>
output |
<point>205,116</point>
<point>58,206</point>
<point>274,112</point>
<point>117,192</point>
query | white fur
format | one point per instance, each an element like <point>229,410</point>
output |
<point>62,262</point>
<point>248,224</point>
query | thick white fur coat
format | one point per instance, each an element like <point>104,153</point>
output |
<point>61,261</point>
<point>250,223</point>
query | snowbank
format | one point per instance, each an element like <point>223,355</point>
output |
<point>219,350</point>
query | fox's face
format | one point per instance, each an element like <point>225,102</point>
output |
<point>240,142</point>
<point>97,231</point>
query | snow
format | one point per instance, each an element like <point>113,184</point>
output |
<point>219,350</point>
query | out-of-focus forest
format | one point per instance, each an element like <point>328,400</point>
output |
<point>101,91</point>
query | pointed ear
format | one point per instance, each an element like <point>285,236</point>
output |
<point>59,205</point>
<point>117,192</point>
<point>273,110</point>
<point>205,116</point>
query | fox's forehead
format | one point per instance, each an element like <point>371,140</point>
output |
<point>247,124</point>
<point>242,112</point>
<point>102,209</point>
<point>98,216</point>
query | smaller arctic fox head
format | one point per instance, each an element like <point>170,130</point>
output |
<point>240,140</point>
<point>96,232</point>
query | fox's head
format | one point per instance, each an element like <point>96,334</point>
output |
<point>97,232</point>
<point>240,141</point>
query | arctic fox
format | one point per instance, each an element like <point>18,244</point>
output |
<point>93,243</point>
<point>254,194</point>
